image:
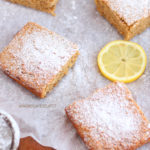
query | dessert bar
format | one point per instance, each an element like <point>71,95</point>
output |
<point>110,119</point>
<point>43,5</point>
<point>38,58</point>
<point>130,17</point>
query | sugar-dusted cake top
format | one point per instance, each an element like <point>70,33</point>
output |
<point>130,10</point>
<point>110,118</point>
<point>36,55</point>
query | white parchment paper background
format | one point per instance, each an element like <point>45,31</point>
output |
<point>79,21</point>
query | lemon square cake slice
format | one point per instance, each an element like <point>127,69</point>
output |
<point>38,58</point>
<point>130,17</point>
<point>110,119</point>
<point>43,5</point>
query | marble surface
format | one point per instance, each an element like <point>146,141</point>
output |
<point>45,119</point>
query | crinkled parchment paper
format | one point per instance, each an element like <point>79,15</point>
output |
<point>45,119</point>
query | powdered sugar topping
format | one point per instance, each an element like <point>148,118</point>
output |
<point>110,116</point>
<point>130,10</point>
<point>37,55</point>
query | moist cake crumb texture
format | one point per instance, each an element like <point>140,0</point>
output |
<point>111,117</point>
<point>130,10</point>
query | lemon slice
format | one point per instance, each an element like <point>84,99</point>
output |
<point>122,61</point>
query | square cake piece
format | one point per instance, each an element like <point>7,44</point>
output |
<point>110,120</point>
<point>43,5</point>
<point>38,58</point>
<point>130,17</point>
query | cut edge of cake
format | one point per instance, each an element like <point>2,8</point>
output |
<point>128,31</point>
<point>42,6</point>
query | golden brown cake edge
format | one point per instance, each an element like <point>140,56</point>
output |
<point>128,32</point>
<point>43,6</point>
